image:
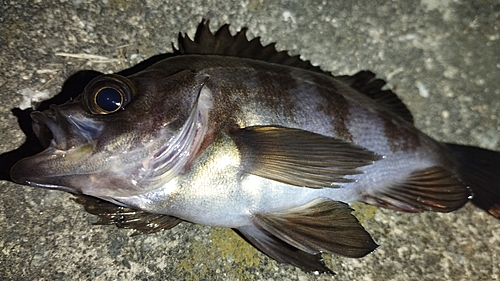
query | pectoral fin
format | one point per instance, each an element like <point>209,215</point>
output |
<point>299,157</point>
<point>109,213</point>
<point>298,236</point>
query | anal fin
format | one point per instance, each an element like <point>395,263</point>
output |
<point>431,189</point>
<point>299,235</point>
<point>142,222</point>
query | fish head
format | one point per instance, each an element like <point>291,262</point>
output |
<point>122,136</point>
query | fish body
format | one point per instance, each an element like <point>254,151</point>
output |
<point>258,102</point>
<point>230,133</point>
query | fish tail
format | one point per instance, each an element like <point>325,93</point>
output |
<point>479,169</point>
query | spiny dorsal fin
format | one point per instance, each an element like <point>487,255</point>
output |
<point>142,222</point>
<point>223,43</point>
<point>366,83</point>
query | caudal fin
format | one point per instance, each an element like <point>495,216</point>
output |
<point>480,169</point>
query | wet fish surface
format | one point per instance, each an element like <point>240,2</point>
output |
<point>227,132</point>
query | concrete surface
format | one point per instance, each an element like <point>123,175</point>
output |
<point>441,57</point>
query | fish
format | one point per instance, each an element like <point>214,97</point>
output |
<point>227,132</point>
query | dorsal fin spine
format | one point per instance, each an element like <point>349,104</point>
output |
<point>224,44</point>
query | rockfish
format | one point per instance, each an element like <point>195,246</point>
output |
<point>228,132</point>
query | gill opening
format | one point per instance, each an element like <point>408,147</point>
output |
<point>173,157</point>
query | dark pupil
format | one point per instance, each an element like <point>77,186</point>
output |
<point>109,99</point>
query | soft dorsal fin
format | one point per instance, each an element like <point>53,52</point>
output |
<point>223,43</point>
<point>366,83</point>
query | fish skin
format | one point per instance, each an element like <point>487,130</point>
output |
<point>184,158</point>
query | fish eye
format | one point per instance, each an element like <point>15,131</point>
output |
<point>108,93</point>
<point>109,99</point>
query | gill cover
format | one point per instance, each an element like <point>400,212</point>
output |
<point>184,101</point>
<point>173,157</point>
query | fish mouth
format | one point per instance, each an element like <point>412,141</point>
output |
<point>67,137</point>
<point>33,170</point>
<point>64,130</point>
<point>47,130</point>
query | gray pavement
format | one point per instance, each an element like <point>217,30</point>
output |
<point>441,57</point>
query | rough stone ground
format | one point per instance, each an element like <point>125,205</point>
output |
<point>442,57</point>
